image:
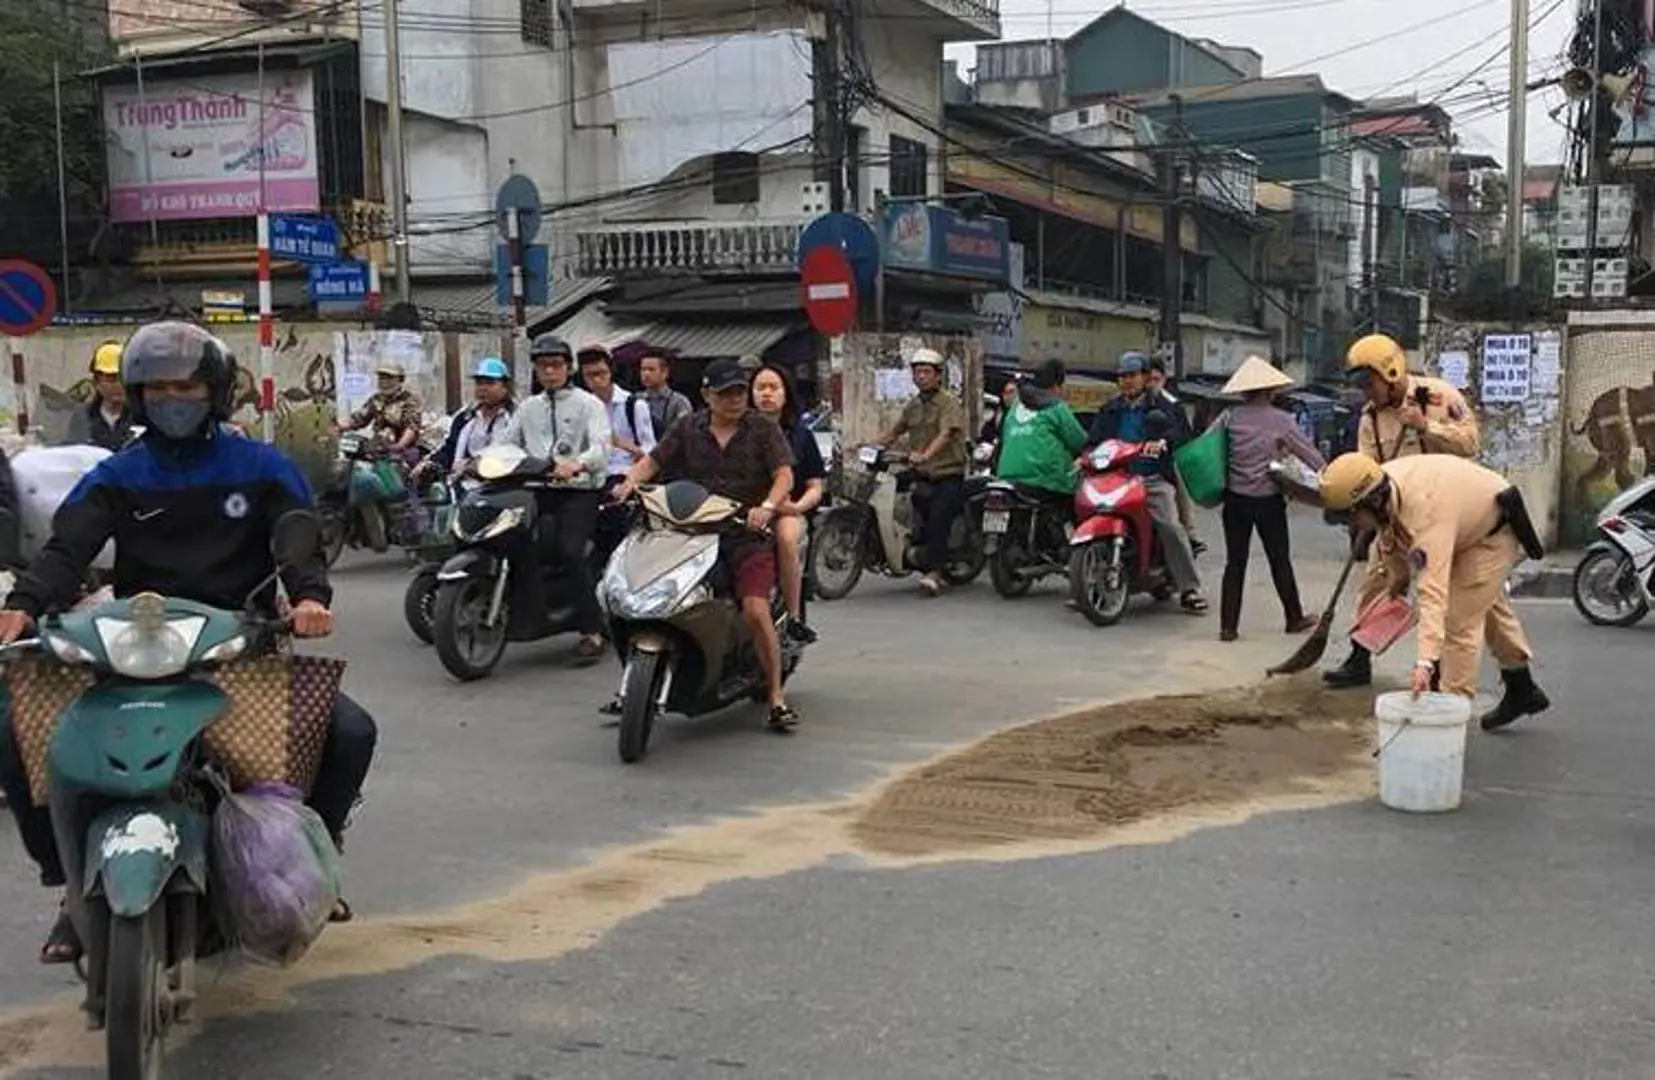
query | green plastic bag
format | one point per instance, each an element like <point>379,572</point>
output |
<point>390,480</point>
<point>1203,465</point>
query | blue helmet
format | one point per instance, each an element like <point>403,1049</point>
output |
<point>492,367</point>
<point>1134,362</point>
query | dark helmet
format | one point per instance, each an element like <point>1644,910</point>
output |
<point>175,351</point>
<point>1051,375</point>
<point>551,345</point>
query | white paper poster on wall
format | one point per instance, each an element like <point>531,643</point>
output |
<point>1507,366</point>
<point>1454,368</point>
<point>1548,363</point>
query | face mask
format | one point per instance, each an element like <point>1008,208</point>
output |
<point>177,418</point>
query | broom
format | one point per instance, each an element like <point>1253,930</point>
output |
<point>1316,644</point>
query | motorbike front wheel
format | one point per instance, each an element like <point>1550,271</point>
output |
<point>333,534</point>
<point>419,605</point>
<point>1606,589</point>
<point>834,563</point>
<point>136,1012</point>
<point>967,553</point>
<point>638,705</point>
<point>466,647</point>
<point>1098,581</point>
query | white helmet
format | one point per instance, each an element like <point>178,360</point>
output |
<point>926,358</point>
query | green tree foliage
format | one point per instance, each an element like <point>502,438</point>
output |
<point>1483,293</point>
<point>34,33</point>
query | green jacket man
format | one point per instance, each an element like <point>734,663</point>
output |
<point>1040,436</point>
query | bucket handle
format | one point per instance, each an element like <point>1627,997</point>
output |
<point>1400,728</point>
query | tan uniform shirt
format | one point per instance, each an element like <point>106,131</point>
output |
<point>1441,507</point>
<point>923,418</point>
<point>1450,426</point>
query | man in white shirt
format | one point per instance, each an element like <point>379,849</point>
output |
<point>569,429</point>
<point>631,429</point>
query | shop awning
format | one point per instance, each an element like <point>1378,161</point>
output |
<point>594,325</point>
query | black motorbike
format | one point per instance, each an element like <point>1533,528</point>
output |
<point>471,620</point>
<point>1025,535</point>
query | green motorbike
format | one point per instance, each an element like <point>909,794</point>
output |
<point>131,795</point>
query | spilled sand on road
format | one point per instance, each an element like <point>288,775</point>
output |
<point>1139,772</point>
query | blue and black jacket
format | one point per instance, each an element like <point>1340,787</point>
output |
<point>189,519</point>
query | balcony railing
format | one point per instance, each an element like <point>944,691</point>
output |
<point>688,247</point>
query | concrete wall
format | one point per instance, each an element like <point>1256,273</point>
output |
<point>873,386</point>
<point>1525,441</point>
<point>1610,409</point>
<point>315,362</point>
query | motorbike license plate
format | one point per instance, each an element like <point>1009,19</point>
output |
<point>996,521</point>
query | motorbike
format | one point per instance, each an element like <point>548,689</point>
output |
<point>679,632</point>
<point>131,801</point>
<point>358,505</point>
<point>434,549</point>
<point>872,525</point>
<point>1025,536</point>
<point>1614,582</point>
<point>1115,551</point>
<point>471,610</point>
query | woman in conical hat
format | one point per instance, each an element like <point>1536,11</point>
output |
<point>1258,434</point>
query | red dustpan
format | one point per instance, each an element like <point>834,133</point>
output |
<point>1385,622</point>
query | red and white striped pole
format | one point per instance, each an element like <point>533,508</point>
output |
<point>20,391</point>
<point>267,335</point>
<point>375,297</point>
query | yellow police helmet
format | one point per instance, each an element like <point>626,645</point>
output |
<point>107,359</point>
<point>1349,479</point>
<point>1379,354</point>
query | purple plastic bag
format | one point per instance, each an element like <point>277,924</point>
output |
<point>276,872</point>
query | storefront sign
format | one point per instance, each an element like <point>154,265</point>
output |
<point>940,240</point>
<point>1081,339</point>
<point>192,149</point>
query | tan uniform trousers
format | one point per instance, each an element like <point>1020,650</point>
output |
<point>1478,609</point>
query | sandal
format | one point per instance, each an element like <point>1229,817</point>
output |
<point>783,720</point>
<point>342,912</point>
<point>1194,603</point>
<point>62,944</point>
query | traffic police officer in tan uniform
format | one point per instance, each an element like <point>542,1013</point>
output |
<point>1405,415</point>
<point>1457,528</point>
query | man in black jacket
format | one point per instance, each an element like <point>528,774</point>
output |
<point>106,421</point>
<point>1143,415</point>
<point>192,512</point>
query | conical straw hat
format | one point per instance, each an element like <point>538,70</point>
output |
<point>1256,373</point>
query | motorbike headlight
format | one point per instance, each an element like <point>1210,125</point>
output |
<point>504,522</point>
<point>225,651</point>
<point>150,645</point>
<point>67,651</point>
<point>662,596</point>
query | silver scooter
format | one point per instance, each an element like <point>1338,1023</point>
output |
<point>1615,579</point>
<point>683,644</point>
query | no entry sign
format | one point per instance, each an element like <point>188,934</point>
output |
<point>28,300</point>
<point>829,290</point>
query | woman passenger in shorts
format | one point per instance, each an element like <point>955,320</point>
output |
<point>772,396</point>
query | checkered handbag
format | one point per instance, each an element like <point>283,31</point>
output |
<point>273,731</point>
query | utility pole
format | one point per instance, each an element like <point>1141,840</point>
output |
<point>832,152</point>
<point>399,160</point>
<point>1516,132</point>
<point>1172,249</point>
<point>1593,171</point>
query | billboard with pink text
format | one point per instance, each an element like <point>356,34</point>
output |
<point>206,148</point>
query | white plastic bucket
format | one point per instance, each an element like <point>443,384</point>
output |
<point>1421,750</point>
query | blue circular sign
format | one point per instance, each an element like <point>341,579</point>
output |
<point>852,236</point>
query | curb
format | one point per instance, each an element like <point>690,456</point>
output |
<point>1550,581</point>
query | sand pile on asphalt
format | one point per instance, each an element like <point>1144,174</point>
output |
<point>1076,776</point>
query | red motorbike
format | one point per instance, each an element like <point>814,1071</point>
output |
<point>1115,552</point>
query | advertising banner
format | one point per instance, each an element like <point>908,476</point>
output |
<point>191,149</point>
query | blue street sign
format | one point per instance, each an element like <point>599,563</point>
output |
<point>339,283</point>
<point>27,298</point>
<point>537,265</point>
<point>518,193</point>
<point>852,236</point>
<point>304,239</point>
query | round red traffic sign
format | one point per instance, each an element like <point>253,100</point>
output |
<point>28,299</point>
<point>829,288</point>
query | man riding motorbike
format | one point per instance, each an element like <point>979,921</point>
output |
<point>568,428</point>
<point>393,412</point>
<point>1147,416</point>
<point>106,421</point>
<point>191,511</point>
<point>480,424</point>
<point>1405,415</point>
<point>733,451</point>
<point>934,422</point>
<point>1040,436</point>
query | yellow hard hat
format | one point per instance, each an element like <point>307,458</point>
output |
<point>1349,479</point>
<point>1379,354</point>
<point>107,359</point>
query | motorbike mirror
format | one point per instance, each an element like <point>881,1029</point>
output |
<point>297,537</point>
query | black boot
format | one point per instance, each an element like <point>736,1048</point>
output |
<point>1522,698</point>
<point>1357,670</point>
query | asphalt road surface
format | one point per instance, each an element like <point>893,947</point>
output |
<point>530,908</point>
